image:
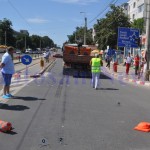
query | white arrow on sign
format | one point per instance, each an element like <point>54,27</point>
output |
<point>27,59</point>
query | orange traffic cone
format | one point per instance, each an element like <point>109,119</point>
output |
<point>5,126</point>
<point>143,126</point>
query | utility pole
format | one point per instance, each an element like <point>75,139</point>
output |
<point>85,27</point>
<point>40,43</point>
<point>148,34</point>
<point>75,38</point>
<point>5,38</point>
<point>25,43</point>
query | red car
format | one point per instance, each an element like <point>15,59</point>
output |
<point>57,55</point>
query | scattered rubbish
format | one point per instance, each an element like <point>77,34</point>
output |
<point>5,126</point>
<point>60,139</point>
<point>44,142</point>
<point>143,126</point>
<point>118,103</point>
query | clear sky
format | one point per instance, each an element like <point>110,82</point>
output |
<point>53,18</point>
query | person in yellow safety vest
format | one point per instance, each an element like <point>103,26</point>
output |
<point>95,69</point>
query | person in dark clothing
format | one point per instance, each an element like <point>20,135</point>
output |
<point>108,61</point>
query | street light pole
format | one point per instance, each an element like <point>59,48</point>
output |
<point>148,34</point>
<point>85,27</point>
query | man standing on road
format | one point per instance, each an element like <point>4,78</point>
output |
<point>46,56</point>
<point>95,69</point>
<point>7,70</point>
<point>128,63</point>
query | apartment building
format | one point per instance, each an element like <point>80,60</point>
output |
<point>136,9</point>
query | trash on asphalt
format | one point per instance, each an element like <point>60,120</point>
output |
<point>5,126</point>
<point>143,126</point>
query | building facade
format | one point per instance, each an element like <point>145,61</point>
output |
<point>136,9</point>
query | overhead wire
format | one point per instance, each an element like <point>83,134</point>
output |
<point>109,25</point>
<point>19,13</point>
<point>112,2</point>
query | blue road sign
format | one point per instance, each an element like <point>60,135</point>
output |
<point>111,52</point>
<point>26,59</point>
<point>128,37</point>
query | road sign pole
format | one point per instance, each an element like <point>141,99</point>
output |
<point>26,60</point>
<point>26,70</point>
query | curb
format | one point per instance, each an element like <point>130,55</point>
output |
<point>138,82</point>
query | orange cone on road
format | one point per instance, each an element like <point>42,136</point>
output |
<point>5,126</point>
<point>143,126</point>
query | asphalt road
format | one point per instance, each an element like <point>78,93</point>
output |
<point>58,112</point>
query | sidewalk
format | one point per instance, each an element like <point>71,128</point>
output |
<point>121,74</point>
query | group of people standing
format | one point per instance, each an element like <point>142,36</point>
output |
<point>139,64</point>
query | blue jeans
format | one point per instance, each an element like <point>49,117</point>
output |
<point>95,79</point>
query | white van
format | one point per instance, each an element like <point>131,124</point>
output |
<point>28,50</point>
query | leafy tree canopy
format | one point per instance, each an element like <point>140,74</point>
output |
<point>107,28</point>
<point>139,24</point>
<point>16,39</point>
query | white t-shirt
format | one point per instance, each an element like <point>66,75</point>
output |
<point>9,65</point>
<point>128,60</point>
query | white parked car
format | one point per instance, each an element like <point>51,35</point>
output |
<point>18,52</point>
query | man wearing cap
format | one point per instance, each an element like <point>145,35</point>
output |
<point>7,69</point>
<point>95,69</point>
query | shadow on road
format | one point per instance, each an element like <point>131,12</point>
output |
<point>10,132</point>
<point>13,107</point>
<point>28,98</point>
<point>107,89</point>
<point>81,73</point>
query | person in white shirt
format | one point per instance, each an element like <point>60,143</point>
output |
<point>7,70</point>
<point>128,63</point>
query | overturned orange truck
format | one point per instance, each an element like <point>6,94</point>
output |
<point>77,57</point>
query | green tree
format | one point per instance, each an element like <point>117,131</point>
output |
<point>107,28</point>
<point>6,33</point>
<point>38,41</point>
<point>138,24</point>
<point>20,42</point>
<point>78,35</point>
<point>16,39</point>
<point>47,42</point>
<point>35,40</point>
